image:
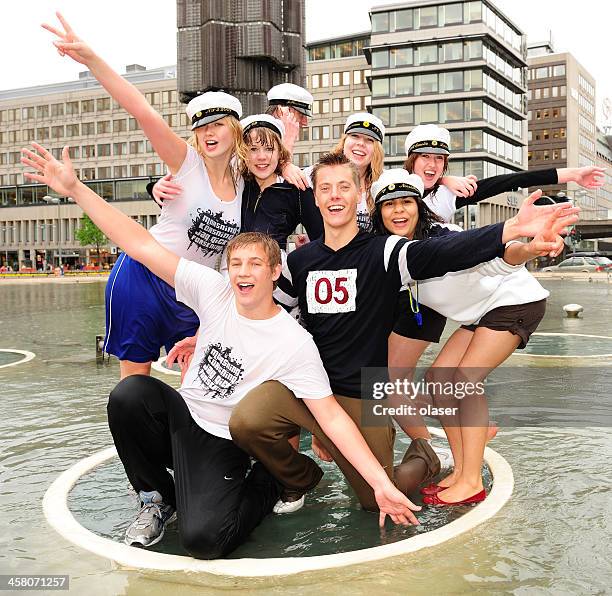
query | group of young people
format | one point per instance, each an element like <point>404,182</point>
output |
<point>382,271</point>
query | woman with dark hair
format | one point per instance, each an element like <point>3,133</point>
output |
<point>499,305</point>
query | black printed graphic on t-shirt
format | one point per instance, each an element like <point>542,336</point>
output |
<point>219,372</point>
<point>364,222</point>
<point>210,232</point>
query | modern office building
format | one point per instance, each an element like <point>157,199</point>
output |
<point>562,129</point>
<point>337,74</point>
<point>242,46</point>
<point>107,148</point>
<point>462,65</point>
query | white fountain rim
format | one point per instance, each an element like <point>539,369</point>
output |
<point>57,513</point>
<point>27,356</point>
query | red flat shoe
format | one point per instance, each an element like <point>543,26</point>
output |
<point>436,500</point>
<point>432,489</point>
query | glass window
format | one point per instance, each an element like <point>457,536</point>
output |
<point>135,147</point>
<point>403,85</point>
<point>42,133</point>
<point>320,53</point>
<point>119,148</point>
<point>473,109</point>
<point>428,54</point>
<point>380,59</point>
<point>72,107</point>
<point>451,111</point>
<point>336,79</point>
<point>325,78</point>
<point>450,14</point>
<point>402,115</point>
<point>42,111</point>
<point>473,140</point>
<point>358,104</point>
<point>315,81</point>
<point>336,105</point>
<point>120,171</point>
<point>473,50</point>
<point>57,132</point>
<point>452,51</point>
<point>133,124</point>
<point>456,138</point>
<point>380,87</point>
<point>427,16</point>
<point>451,81</point>
<point>426,83</point>
<point>88,151</point>
<point>401,56</point>
<point>357,78</point>
<point>103,104</point>
<point>72,130</point>
<point>103,126</point>
<point>559,70</point>
<point>88,128</point>
<point>383,114</point>
<point>87,106</point>
<point>473,79</point>
<point>541,73</point>
<point>426,113</point>
<point>120,125</point>
<point>403,19</point>
<point>337,130</point>
<point>104,172</point>
<point>104,150</point>
<point>346,77</point>
<point>473,11</point>
<point>346,104</point>
<point>344,50</point>
<point>380,22</point>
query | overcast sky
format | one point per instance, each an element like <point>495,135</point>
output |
<point>144,31</point>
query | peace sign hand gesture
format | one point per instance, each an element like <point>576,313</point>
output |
<point>69,44</point>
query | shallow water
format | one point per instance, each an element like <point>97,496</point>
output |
<point>553,537</point>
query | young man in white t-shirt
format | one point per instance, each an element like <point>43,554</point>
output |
<point>249,340</point>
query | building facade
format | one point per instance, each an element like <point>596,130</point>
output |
<point>241,46</point>
<point>337,73</point>
<point>107,147</point>
<point>562,127</point>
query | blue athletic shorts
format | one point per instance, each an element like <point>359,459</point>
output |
<point>142,313</point>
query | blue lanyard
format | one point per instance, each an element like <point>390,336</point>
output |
<point>415,303</point>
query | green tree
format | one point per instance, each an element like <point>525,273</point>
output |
<point>89,233</point>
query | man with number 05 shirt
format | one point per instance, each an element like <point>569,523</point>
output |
<point>346,284</point>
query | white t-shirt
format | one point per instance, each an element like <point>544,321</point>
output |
<point>198,225</point>
<point>235,354</point>
<point>442,203</point>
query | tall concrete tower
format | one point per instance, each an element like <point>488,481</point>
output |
<point>243,47</point>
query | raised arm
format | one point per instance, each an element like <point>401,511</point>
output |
<point>587,177</point>
<point>455,251</point>
<point>130,236</point>
<point>167,144</point>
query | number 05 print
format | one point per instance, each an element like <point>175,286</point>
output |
<point>331,291</point>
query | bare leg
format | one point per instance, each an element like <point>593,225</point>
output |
<point>487,350</point>
<point>128,368</point>
<point>446,363</point>
<point>404,354</point>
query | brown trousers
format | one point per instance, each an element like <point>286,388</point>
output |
<point>265,419</point>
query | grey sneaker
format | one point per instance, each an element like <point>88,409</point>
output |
<point>150,524</point>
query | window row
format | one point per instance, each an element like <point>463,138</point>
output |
<point>464,141</point>
<point>583,102</point>
<point>479,168</point>
<point>442,16</point>
<point>453,111</point>
<point>545,113</point>
<point>545,72</point>
<point>337,79</point>
<point>547,154</point>
<point>344,49</point>
<point>583,160</point>
<point>546,134</point>
<point>344,104</point>
<point>455,51</point>
<point>546,92</point>
<point>73,108</point>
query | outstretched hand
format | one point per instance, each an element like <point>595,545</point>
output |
<point>396,505</point>
<point>549,240</point>
<point>166,190</point>
<point>590,176</point>
<point>531,219</point>
<point>68,44</point>
<point>58,175</point>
